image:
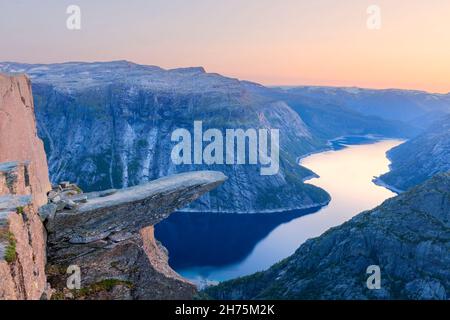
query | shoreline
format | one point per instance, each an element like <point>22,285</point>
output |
<point>379,182</point>
<point>373,137</point>
<point>287,210</point>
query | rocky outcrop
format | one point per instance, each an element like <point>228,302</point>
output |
<point>23,189</point>
<point>110,237</point>
<point>420,158</point>
<point>408,237</point>
<point>22,250</point>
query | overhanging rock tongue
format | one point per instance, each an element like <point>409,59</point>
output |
<point>104,237</point>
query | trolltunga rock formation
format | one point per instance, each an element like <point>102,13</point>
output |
<point>111,238</point>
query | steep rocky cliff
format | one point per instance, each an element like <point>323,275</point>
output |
<point>24,184</point>
<point>19,140</point>
<point>408,237</point>
<point>108,125</point>
<point>107,235</point>
<point>420,158</point>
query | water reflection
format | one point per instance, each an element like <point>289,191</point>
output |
<point>214,240</point>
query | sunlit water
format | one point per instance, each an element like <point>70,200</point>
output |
<point>221,247</point>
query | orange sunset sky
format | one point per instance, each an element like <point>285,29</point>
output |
<point>285,42</point>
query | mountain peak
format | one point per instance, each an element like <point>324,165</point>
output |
<point>188,70</point>
<point>74,76</point>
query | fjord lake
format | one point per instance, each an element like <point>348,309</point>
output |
<point>209,247</point>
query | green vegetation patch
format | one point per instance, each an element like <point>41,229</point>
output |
<point>10,252</point>
<point>20,210</point>
<point>102,286</point>
<point>90,291</point>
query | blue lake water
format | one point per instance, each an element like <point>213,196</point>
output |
<point>210,247</point>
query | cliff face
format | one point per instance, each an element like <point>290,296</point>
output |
<point>18,139</point>
<point>109,125</point>
<point>23,189</point>
<point>420,158</point>
<point>407,237</point>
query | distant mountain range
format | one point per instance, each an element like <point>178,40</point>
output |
<point>406,237</point>
<point>108,125</point>
<point>420,158</point>
<point>417,108</point>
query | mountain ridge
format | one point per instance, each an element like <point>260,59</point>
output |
<point>420,158</point>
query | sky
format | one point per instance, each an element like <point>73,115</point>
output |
<point>273,42</point>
